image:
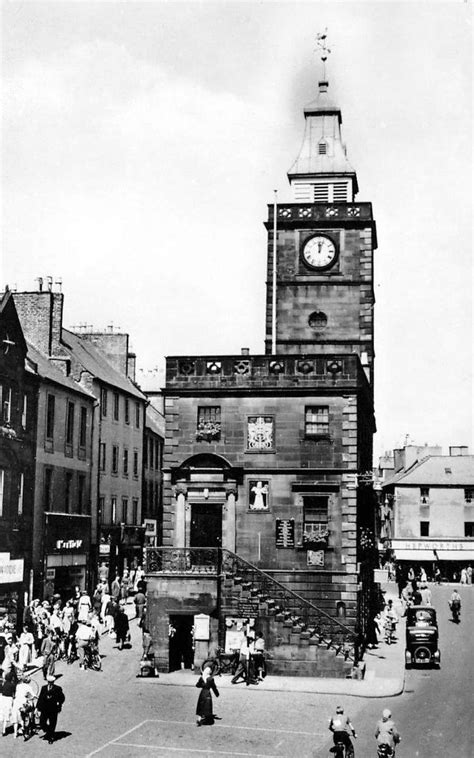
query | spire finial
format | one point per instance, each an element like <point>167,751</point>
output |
<point>323,49</point>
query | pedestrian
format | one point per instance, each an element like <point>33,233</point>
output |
<point>204,710</point>
<point>25,642</point>
<point>140,601</point>
<point>425,594</point>
<point>48,651</point>
<point>423,577</point>
<point>463,576</point>
<point>243,669</point>
<point>115,588</point>
<point>411,574</point>
<point>111,611</point>
<point>386,732</point>
<point>259,657</point>
<point>437,575</point>
<point>125,585</point>
<point>50,702</point>
<point>373,630</point>
<point>121,627</point>
<point>469,574</point>
<point>84,635</point>
<point>84,606</point>
<point>10,681</point>
<point>24,694</point>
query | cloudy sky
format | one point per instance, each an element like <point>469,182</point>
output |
<point>142,142</point>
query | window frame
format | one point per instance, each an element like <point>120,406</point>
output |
<point>468,494</point>
<point>137,415</point>
<point>103,402</point>
<point>50,416</point>
<point>83,427</point>
<point>125,462</point>
<point>124,519</point>
<point>69,432</point>
<point>68,489</point>
<point>115,460</point>
<point>135,464</point>
<point>468,527</point>
<point>319,433</point>
<point>424,528</point>
<point>47,488</point>
<point>116,406</point>
<point>127,410</point>
<point>208,425</point>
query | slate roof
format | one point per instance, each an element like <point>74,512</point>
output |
<point>96,364</point>
<point>155,421</point>
<point>47,370</point>
<point>431,471</point>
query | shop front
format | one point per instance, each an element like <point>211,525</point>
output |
<point>450,556</point>
<point>66,554</point>
<point>11,587</point>
<point>120,548</point>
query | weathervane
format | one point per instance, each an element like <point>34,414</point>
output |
<point>322,48</point>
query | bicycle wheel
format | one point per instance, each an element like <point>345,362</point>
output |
<point>96,662</point>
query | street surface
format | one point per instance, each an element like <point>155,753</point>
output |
<point>113,714</point>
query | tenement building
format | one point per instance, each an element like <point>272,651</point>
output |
<point>265,523</point>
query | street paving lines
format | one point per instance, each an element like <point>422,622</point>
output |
<point>183,738</point>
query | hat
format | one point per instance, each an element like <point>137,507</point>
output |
<point>386,714</point>
<point>339,709</point>
<point>50,678</point>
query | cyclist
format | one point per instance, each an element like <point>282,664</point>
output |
<point>386,733</point>
<point>341,727</point>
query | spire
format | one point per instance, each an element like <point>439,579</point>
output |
<point>322,172</point>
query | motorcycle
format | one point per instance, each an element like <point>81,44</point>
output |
<point>340,750</point>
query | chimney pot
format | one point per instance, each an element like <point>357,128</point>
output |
<point>244,351</point>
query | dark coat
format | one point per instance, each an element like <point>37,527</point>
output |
<point>50,700</point>
<point>204,703</point>
<point>121,624</point>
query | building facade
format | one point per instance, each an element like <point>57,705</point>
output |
<point>18,410</point>
<point>262,515</point>
<point>153,475</point>
<point>430,499</point>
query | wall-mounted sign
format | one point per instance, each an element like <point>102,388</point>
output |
<point>285,532</point>
<point>12,571</point>
<point>150,527</point>
<point>201,627</point>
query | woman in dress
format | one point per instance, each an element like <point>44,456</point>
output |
<point>204,704</point>
<point>6,698</point>
<point>26,642</point>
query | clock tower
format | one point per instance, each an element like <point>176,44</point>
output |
<point>320,295</point>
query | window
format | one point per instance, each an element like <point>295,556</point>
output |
<point>48,480</point>
<point>125,461</point>
<point>83,427</point>
<point>69,423</point>
<point>50,407</point>
<point>127,411</point>
<point>103,402</point>
<point>113,510</point>
<point>316,422</point>
<point>2,484</point>
<point>315,518</point>
<point>21,484</point>
<point>125,510</point>
<point>468,494</point>
<point>260,433</point>
<point>116,406</point>
<point>24,411</point>
<point>101,510</point>
<point>135,464</point>
<point>424,528</point>
<point>67,493</point>
<point>469,528</point>
<point>424,494</point>
<point>115,456</point>
<point>157,454</point>
<point>7,404</point>
<point>102,456</point>
<point>135,510</point>
<point>137,415</point>
<point>208,424</point>
<point>81,487</point>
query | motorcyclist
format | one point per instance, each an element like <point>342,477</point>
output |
<point>455,603</point>
<point>386,733</point>
<point>341,727</point>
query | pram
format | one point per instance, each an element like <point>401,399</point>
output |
<point>148,665</point>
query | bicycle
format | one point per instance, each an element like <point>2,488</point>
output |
<point>92,659</point>
<point>222,663</point>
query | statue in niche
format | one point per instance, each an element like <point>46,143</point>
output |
<point>258,495</point>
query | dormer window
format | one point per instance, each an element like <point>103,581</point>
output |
<point>424,495</point>
<point>322,148</point>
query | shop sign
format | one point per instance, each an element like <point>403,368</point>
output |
<point>68,544</point>
<point>431,545</point>
<point>285,532</point>
<point>104,548</point>
<point>12,571</point>
<point>50,574</point>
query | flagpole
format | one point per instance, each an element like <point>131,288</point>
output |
<point>274,273</point>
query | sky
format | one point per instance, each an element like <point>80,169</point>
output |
<point>142,142</point>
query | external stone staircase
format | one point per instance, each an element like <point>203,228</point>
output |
<point>301,639</point>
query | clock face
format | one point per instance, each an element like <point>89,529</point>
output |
<point>319,252</point>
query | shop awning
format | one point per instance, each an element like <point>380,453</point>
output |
<point>455,555</point>
<point>414,555</point>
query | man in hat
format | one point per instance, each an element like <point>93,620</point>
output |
<point>50,702</point>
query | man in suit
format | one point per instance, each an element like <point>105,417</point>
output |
<point>50,702</point>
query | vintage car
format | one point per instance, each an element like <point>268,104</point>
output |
<point>421,637</point>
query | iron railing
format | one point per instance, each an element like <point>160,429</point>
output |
<point>285,604</point>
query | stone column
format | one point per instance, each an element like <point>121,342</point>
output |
<point>228,532</point>
<point>179,527</point>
